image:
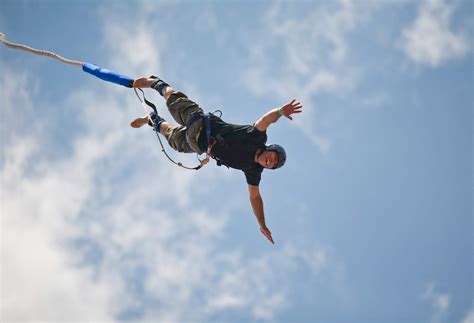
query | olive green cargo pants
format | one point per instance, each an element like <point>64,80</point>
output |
<point>181,138</point>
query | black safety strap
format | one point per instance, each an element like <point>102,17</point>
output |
<point>153,107</point>
<point>150,104</point>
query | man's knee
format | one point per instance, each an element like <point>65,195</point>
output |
<point>176,137</point>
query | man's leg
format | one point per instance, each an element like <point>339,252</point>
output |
<point>175,135</point>
<point>140,122</point>
<point>179,105</point>
<point>166,91</point>
<point>181,108</point>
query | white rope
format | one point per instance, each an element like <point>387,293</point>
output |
<point>8,43</point>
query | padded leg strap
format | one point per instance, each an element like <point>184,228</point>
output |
<point>158,84</point>
<point>155,121</point>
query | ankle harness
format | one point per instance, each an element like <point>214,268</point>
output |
<point>158,84</point>
<point>156,121</point>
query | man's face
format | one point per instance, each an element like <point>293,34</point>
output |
<point>268,159</point>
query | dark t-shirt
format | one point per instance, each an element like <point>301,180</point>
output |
<point>236,147</point>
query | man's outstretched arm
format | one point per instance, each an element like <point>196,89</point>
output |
<point>257,207</point>
<point>273,115</point>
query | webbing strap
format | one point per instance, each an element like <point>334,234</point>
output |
<point>180,164</point>
<point>206,124</point>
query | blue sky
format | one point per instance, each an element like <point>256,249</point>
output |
<point>372,215</point>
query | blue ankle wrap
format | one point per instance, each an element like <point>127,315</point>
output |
<point>157,126</point>
<point>159,85</point>
<point>155,122</point>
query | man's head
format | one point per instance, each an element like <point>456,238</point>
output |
<point>273,157</point>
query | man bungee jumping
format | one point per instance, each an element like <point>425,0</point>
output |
<point>235,146</point>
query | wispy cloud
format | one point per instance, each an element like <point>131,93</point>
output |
<point>469,316</point>
<point>142,38</point>
<point>16,103</point>
<point>36,203</point>
<point>439,302</point>
<point>430,39</point>
<point>310,50</point>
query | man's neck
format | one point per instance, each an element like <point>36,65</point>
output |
<point>257,154</point>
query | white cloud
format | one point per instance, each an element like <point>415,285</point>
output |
<point>310,50</point>
<point>375,101</point>
<point>430,39</point>
<point>39,280</point>
<point>36,202</point>
<point>469,316</point>
<point>439,302</point>
<point>16,103</point>
<point>142,38</point>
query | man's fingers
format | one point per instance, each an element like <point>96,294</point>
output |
<point>271,239</point>
<point>293,103</point>
<point>297,110</point>
<point>267,234</point>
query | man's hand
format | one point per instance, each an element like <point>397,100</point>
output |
<point>264,230</point>
<point>290,108</point>
<point>273,115</point>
